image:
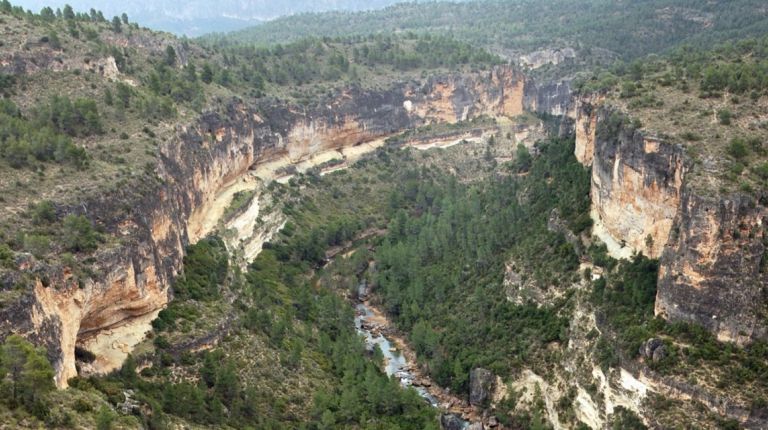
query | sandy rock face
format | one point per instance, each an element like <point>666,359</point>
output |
<point>585,129</point>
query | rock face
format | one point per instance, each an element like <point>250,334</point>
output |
<point>711,248</point>
<point>156,218</point>
<point>537,59</point>
<point>552,98</point>
<point>712,272</point>
<point>585,128</point>
<point>481,382</point>
<point>637,182</point>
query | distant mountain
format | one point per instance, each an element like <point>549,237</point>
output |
<point>636,28</point>
<point>197,17</point>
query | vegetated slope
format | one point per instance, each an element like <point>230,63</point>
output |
<point>712,102</point>
<point>628,29</point>
<point>89,103</point>
<point>91,109</point>
<point>269,347</point>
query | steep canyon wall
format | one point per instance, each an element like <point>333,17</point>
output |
<point>711,247</point>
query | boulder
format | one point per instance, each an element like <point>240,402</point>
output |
<point>476,426</point>
<point>451,422</point>
<point>647,349</point>
<point>659,353</point>
<point>493,422</point>
<point>481,383</point>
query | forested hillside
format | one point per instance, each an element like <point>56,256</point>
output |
<point>100,126</point>
<point>628,29</point>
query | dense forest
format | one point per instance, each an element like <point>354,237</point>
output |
<point>361,395</point>
<point>353,59</point>
<point>439,267</point>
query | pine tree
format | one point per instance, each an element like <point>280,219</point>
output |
<point>68,12</point>
<point>117,25</point>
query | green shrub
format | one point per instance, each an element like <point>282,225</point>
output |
<point>43,213</point>
<point>25,374</point>
<point>206,265</point>
<point>691,136</point>
<point>6,255</point>
<point>37,244</point>
<point>78,234</point>
<point>724,116</point>
<point>737,148</point>
<point>761,170</point>
<point>82,406</point>
<point>625,419</point>
<point>105,418</point>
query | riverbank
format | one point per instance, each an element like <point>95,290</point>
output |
<point>377,323</point>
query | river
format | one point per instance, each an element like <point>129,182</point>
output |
<point>399,363</point>
<point>396,364</point>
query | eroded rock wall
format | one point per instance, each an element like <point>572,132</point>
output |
<point>712,272</point>
<point>153,219</point>
<point>637,181</point>
<point>585,128</point>
<point>711,247</point>
<point>552,98</point>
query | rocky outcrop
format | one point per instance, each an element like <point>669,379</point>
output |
<point>637,181</point>
<point>154,218</point>
<point>556,224</point>
<point>713,270</point>
<point>481,385</point>
<point>653,349</point>
<point>537,59</point>
<point>711,248</point>
<point>585,128</point>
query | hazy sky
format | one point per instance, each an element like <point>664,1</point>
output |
<point>195,17</point>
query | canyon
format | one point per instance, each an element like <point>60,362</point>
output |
<point>710,248</point>
<point>196,172</point>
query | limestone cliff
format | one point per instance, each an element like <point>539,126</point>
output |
<point>551,98</point>
<point>637,180</point>
<point>153,220</point>
<point>711,247</point>
<point>712,271</point>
